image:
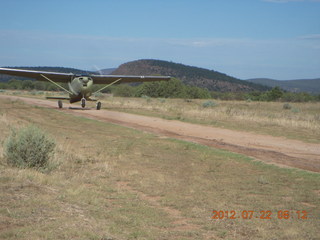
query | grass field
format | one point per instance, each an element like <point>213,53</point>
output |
<point>301,121</point>
<point>111,182</point>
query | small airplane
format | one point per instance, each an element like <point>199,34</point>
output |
<point>80,86</point>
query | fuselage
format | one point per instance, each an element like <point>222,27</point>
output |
<point>81,87</point>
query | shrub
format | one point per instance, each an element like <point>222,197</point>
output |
<point>209,103</point>
<point>295,110</point>
<point>147,98</point>
<point>287,106</point>
<point>98,94</point>
<point>29,147</point>
<point>124,90</point>
<point>162,100</point>
<point>162,89</point>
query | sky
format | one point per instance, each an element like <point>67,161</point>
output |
<point>277,39</point>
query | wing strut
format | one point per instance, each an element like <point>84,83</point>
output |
<point>108,85</point>
<point>59,86</point>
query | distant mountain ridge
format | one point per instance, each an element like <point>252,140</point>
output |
<point>300,85</point>
<point>200,77</point>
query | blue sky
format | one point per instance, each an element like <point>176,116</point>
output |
<point>246,39</point>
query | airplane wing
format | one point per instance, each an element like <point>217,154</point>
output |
<point>58,77</point>
<point>67,77</point>
<point>106,79</point>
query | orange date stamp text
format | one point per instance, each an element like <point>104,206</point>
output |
<point>265,214</point>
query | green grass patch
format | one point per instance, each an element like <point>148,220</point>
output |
<point>118,183</point>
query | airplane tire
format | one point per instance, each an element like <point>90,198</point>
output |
<point>60,104</point>
<point>98,105</point>
<point>83,103</point>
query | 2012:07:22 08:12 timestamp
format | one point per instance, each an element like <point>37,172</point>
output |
<point>265,214</point>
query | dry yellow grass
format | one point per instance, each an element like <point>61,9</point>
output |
<point>110,182</point>
<point>301,122</point>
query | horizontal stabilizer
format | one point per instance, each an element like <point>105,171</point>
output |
<point>59,98</point>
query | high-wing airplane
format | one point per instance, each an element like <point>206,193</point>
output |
<point>80,86</point>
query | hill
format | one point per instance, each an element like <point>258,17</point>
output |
<point>302,85</point>
<point>200,77</point>
<point>194,76</point>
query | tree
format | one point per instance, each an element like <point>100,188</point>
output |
<point>275,94</point>
<point>173,88</point>
<point>196,92</point>
<point>124,90</point>
<point>15,84</point>
<point>28,85</point>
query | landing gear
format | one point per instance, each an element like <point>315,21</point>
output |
<point>98,107</point>
<point>60,104</point>
<point>83,102</point>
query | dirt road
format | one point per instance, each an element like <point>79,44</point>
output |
<point>275,150</point>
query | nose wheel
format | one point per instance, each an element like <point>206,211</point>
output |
<point>83,102</point>
<point>60,104</point>
<point>98,107</point>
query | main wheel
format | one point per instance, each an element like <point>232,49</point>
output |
<point>60,104</point>
<point>98,105</point>
<point>83,102</point>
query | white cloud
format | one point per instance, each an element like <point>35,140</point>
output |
<point>209,42</point>
<point>311,37</point>
<point>240,57</point>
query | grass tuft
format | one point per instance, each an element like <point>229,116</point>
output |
<point>208,104</point>
<point>29,147</point>
<point>287,106</point>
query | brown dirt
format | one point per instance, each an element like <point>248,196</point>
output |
<point>274,150</point>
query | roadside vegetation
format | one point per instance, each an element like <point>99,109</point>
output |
<point>112,182</point>
<point>172,89</point>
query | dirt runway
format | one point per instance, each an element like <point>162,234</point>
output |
<point>275,150</point>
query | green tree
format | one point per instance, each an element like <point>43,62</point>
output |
<point>275,94</point>
<point>164,89</point>
<point>28,85</point>
<point>196,92</point>
<point>124,90</point>
<point>15,84</point>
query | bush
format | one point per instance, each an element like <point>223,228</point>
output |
<point>123,90</point>
<point>162,89</point>
<point>29,147</point>
<point>208,104</point>
<point>287,106</point>
<point>295,110</point>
